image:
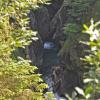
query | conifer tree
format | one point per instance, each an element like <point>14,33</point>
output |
<point>18,80</point>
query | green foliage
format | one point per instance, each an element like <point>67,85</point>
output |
<point>92,76</point>
<point>79,12</point>
<point>79,8</point>
<point>18,80</point>
<point>71,28</point>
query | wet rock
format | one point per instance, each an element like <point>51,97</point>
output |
<point>39,21</point>
<point>65,80</point>
<point>58,21</point>
<point>43,22</point>
<point>54,7</point>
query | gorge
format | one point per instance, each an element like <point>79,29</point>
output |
<point>55,53</point>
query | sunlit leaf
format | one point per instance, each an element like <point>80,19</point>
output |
<point>80,91</point>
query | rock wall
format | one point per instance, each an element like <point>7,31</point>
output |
<point>40,20</point>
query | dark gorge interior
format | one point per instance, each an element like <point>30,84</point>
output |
<point>62,61</point>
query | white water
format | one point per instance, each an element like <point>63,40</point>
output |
<point>49,45</point>
<point>50,82</point>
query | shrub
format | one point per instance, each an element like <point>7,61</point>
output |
<point>92,75</point>
<point>17,77</point>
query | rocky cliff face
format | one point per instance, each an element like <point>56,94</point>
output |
<point>49,22</point>
<point>40,20</point>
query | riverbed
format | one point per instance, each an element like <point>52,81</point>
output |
<point>50,58</point>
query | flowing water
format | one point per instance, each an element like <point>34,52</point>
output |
<point>50,59</point>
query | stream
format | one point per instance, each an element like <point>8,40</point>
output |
<point>50,59</point>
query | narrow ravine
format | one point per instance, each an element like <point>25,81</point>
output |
<point>49,22</point>
<point>50,59</point>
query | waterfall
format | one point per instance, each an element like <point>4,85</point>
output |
<point>50,88</point>
<point>50,58</point>
<point>49,45</point>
